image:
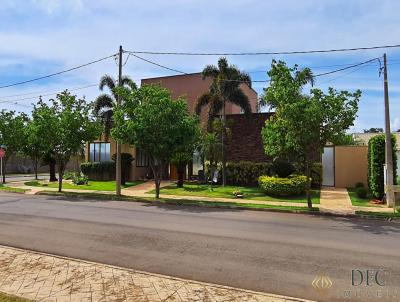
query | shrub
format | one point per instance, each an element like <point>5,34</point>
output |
<point>104,170</point>
<point>69,175</point>
<point>245,173</point>
<point>361,192</point>
<point>80,179</point>
<point>282,168</point>
<point>376,160</point>
<point>359,185</point>
<point>291,186</point>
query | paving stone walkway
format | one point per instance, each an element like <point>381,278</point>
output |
<point>43,277</point>
<point>335,200</point>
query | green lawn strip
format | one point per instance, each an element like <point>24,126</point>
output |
<point>10,298</point>
<point>92,185</point>
<point>252,193</point>
<point>231,205</point>
<point>378,214</point>
<point>12,190</point>
<point>358,201</point>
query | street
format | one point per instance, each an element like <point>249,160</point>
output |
<point>263,251</point>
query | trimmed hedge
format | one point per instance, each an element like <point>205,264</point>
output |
<point>104,170</point>
<point>245,173</point>
<point>276,186</point>
<point>376,161</point>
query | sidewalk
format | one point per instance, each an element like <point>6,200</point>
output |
<point>44,277</point>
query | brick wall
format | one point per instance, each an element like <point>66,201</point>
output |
<point>246,142</point>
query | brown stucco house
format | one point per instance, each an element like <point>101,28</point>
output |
<point>246,143</point>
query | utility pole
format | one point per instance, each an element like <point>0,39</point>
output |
<point>390,199</point>
<point>118,151</point>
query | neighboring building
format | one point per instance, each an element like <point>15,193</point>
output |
<point>246,141</point>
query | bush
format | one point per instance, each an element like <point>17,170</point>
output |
<point>361,192</point>
<point>276,186</point>
<point>80,179</point>
<point>69,175</point>
<point>282,168</point>
<point>376,160</point>
<point>104,170</point>
<point>245,173</point>
<point>359,185</point>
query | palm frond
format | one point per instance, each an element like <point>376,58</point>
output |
<point>103,102</point>
<point>210,71</point>
<point>128,82</point>
<point>107,80</point>
<point>202,101</point>
<point>238,98</point>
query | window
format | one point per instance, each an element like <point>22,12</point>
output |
<point>142,160</point>
<point>99,151</point>
<point>197,163</point>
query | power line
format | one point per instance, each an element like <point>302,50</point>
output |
<point>157,64</point>
<point>345,68</point>
<point>264,53</point>
<point>56,73</point>
<point>49,94</point>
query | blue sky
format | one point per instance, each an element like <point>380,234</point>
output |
<point>38,37</point>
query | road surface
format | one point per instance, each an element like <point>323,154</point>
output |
<point>263,251</point>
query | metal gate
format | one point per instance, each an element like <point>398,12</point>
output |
<point>328,167</point>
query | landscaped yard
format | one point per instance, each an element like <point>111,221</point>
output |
<point>253,193</point>
<point>13,190</point>
<point>92,185</point>
<point>361,202</point>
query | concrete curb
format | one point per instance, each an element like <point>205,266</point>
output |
<point>286,298</point>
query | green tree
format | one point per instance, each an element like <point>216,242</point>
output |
<point>66,125</point>
<point>158,125</point>
<point>105,103</point>
<point>303,124</point>
<point>225,87</point>
<point>12,134</point>
<point>33,144</point>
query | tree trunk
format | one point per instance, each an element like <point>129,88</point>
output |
<point>4,170</point>
<point>60,176</point>
<point>223,145</point>
<point>52,166</point>
<point>35,167</point>
<point>181,174</point>
<point>308,188</point>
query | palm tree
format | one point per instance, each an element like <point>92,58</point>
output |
<point>105,103</point>
<point>225,87</point>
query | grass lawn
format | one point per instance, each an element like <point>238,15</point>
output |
<point>182,202</point>
<point>10,298</point>
<point>92,185</point>
<point>253,193</point>
<point>361,202</point>
<point>12,190</point>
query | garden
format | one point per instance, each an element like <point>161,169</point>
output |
<point>373,195</point>
<point>267,181</point>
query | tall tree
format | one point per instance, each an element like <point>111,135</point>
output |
<point>12,134</point>
<point>225,87</point>
<point>105,104</point>
<point>66,125</point>
<point>303,124</point>
<point>158,125</point>
<point>33,144</point>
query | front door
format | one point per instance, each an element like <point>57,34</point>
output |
<point>328,167</point>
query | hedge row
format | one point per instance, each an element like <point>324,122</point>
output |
<point>245,173</point>
<point>376,161</point>
<point>290,186</point>
<point>104,170</point>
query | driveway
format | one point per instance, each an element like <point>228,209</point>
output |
<point>270,252</point>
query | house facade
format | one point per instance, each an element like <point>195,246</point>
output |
<point>246,133</point>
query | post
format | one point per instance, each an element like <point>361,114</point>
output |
<point>223,145</point>
<point>1,168</point>
<point>390,199</point>
<point>118,151</point>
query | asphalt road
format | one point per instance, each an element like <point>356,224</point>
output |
<point>271,252</point>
